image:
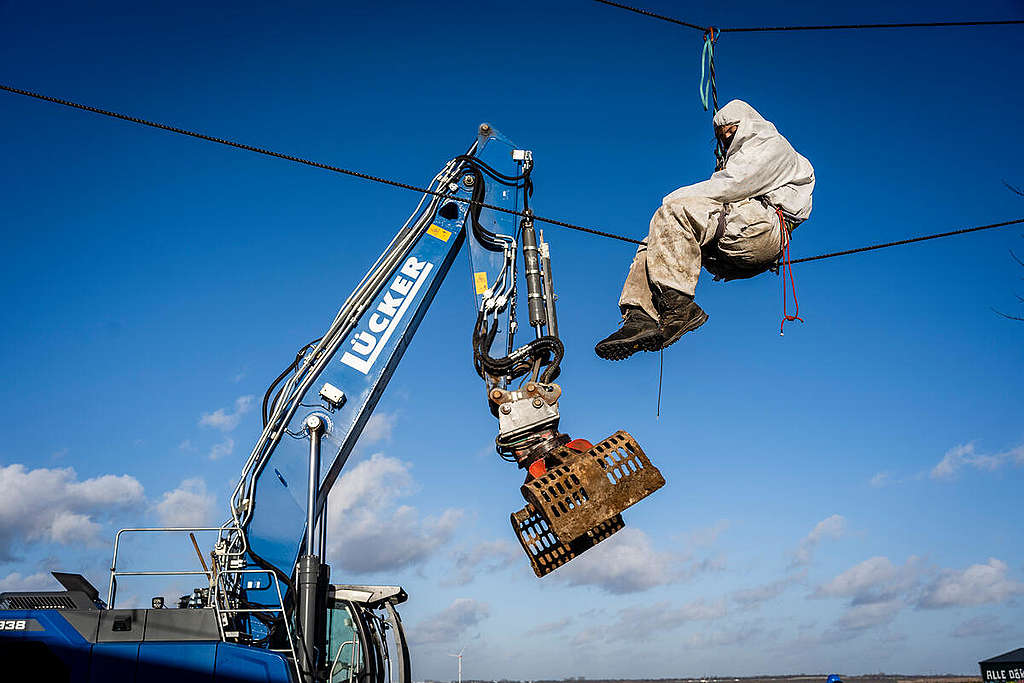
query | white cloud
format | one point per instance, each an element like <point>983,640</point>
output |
<point>967,455</point>
<point>751,598</point>
<point>549,627</point>
<point>708,535</point>
<point>486,557</point>
<point>188,505</point>
<point>52,505</point>
<point>227,421</point>
<point>642,621</point>
<point>979,584</point>
<point>869,615</point>
<point>41,581</point>
<point>67,527</point>
<point>222,449</point>
<point>881,479</point>
<point>829,528</point>
<point>625,563</point>
<point>980,626</point>
<point>697,610</point>
<point>877,591</point>
<point>451,623</point>
<point>378,428</point>
<point>875,580</point>
<point>587,637</point>
<point>370,532</point>
<point>738,636</point>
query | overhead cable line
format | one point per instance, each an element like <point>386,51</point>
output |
<point>648,13</point>
<point>923,238</point>
<point>423,190</point>
<point>835,27</point>
<point>307,162</point>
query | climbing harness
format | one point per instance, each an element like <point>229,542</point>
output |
<point>787,267</point>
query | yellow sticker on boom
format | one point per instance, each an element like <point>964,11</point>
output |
<point>439,232</point>
<point>481,282</point>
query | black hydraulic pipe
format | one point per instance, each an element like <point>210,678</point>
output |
<point>315,428</point>
<point>307,581</point>
<point>308,569</point>
<point>534,285</point>
<point>549,287</point>
<point>322,550</point>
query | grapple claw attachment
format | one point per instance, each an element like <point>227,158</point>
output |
<point>577,502</point>
<point>588,487</point>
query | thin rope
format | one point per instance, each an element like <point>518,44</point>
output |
<point>834,27</point>
<point>307,162</point>
<point>661,373</point>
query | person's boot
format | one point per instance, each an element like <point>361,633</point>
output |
<point>677,314</point>
<point>639,332</point>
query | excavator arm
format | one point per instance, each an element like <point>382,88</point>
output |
<point>574,491</point>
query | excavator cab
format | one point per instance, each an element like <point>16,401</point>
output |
<point>365,640</point>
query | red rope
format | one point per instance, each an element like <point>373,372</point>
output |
<point>787,266</point>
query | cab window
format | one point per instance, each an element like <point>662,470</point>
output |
<point>346,652</point>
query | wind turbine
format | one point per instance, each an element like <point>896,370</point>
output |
<point>460,662</point>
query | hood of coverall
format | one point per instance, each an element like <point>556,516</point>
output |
<point>750,125</point>
<point>759,161</point>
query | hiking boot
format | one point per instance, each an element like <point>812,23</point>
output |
<point>639,332</point>
<point>678,314</point>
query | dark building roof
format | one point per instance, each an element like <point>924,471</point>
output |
<point>1007,657</point>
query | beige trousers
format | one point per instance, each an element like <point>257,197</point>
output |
<point>680,229</point>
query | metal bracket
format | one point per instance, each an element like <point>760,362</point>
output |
<point>526,410</point>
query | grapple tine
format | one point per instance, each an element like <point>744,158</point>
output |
<point>545,551</point>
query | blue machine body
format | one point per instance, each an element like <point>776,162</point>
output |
<point>61,646</point>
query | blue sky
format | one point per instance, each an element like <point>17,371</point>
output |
<point>841,498</point>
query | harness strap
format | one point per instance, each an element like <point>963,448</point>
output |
<point>787,265</point>
<point>721,226</point>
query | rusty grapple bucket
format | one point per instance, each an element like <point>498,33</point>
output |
<point>577,503</point>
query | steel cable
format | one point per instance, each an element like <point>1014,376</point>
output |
<point>923,238</point>
<point>300,160</point>
<point>752,29</point>
<point>648,13</point>
<point>428,191</point>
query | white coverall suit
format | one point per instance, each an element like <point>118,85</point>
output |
<point>762,171</point>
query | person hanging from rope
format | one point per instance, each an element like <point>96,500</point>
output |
<point>732,224</point>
